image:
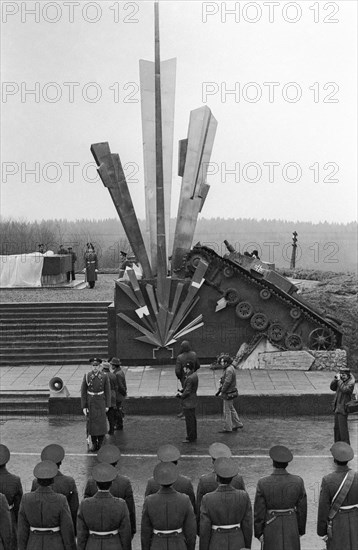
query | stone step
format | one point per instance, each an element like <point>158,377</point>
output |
<point>33,344</point>
<point>24,403</point>
<point>15,336</point>
<point>46,318</point>
<point>57,305</point>
<point>52,333</point>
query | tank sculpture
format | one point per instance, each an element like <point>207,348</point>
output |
<point>221,302</point>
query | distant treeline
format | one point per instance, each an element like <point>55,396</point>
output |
<point>322,246</point>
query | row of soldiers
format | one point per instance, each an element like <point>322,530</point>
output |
<point>51,516</point>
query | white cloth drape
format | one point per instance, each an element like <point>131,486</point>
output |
<point>21,270</point>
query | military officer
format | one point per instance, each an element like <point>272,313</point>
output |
<point>111,414</point>
<point>95,402</point>
<point>337,518</point>
<point>44,517</point>
<point>169,453</point>
<point>63,484</point>
<point>91,265</point>
<point>103,520</point>
<point>168,520</point>
<point>121,391</point>
<point>208,482</point>
<point>226,513</point>
<point>10,486</point>
<point>280,509</point>
<point>5,524</point>
<point>121,486</point>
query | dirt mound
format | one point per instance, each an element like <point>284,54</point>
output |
<point>337,296</point>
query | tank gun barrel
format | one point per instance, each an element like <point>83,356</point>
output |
<point>229,246</point>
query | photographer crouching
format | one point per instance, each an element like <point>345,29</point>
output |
<point>343,385</point>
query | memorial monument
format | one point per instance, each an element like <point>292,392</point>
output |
<point>220,302</point>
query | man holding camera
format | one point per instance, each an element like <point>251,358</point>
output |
<point>343,385</point>
<point>228,392</point>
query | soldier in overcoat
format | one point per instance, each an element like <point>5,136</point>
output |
<point>208,482</point>
<point>10,486</point>
<point>45,521</point>
<point>226,513</point>
<point>280,509</point>
<point>111,414</point>
<point>121,391</point>
<point>168,519</point>
<point>103,520</point>
<point>169,453</point>
<point>95,402</point>
<point>62,484</point>
<point>5,524</point>
<point>91,265</point>
<point>121,486</point>
<point>343,533</point>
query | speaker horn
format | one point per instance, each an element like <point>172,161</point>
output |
<point>58,388</point>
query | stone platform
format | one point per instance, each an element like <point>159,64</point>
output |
<point>152,390</point>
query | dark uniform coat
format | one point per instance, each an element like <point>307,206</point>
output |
<point>113,383</point>
<point>208,483</point>
<point>46,509</point>
<point>91,264</point>
<point>121,385</point>
<point>182,485</point>
<point>10,486</point>
<point>345,522</point>
<point>64,485</point>
<point>226,506</point>
<point>280,491</point>
<point>103,512</point>
<point>189,397</point>
<point>168,510</point>
<point>96,381</point>
<point>121,488</point>
<point>182,360</point>
<point>5,524</point>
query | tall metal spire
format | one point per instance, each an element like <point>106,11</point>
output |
<point>161,242</point>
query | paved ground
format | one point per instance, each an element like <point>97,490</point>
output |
<point>309,438</point>
<point>156,381</point>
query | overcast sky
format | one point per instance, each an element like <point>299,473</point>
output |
<point>292,64</point>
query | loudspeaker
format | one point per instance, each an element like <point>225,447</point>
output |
<point>58,388</point>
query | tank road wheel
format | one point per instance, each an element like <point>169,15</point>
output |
<point>321,339</point>
<point>265,294</point>
<point>295,313</point>
<point>293,342</point>
<point>244,310</point>
<point>195,260</point>
<point>228,271</point>
<point>275,332</point>
<point>259,321</point>
<point>231,296</point>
